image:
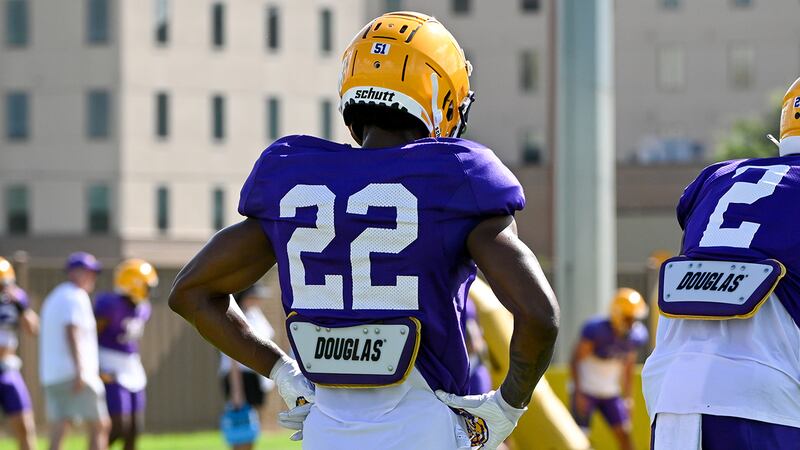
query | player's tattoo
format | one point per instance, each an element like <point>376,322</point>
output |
<point>527,365</point>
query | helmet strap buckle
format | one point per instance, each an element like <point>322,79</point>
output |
<point>463,114</point>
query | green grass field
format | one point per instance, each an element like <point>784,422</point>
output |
<point>205,440</point>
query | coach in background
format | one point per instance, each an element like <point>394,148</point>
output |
<point>68,356</point>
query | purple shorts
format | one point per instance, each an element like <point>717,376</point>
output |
<point>14,397</point>
<point>122,402</point>
<point>613,410</point>
<point>736,433</point>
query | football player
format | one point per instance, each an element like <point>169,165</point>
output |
<point>602,365</point>
<point>121,316</point>
<point>15,312</point>
<point>725,372</point>
<point>376,249</point>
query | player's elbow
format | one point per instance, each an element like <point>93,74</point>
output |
<point>179,297</point>
<point>542,314</point>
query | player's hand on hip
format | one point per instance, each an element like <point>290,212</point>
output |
<point>489,419</point>
<point>297,392</point>
<point>292,385</point>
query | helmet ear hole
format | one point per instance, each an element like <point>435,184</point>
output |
<point>797,115</point>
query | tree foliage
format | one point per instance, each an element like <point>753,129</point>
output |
<point>747,137</point>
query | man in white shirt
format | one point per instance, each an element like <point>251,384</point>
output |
<point>68,361</point>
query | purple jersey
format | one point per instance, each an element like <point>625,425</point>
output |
<point>12,309</point>
<point>124,322</point>
<point>747,210</point>
<point>607,344</point>
<point>373,234</point>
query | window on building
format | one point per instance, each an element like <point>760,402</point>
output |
<point>461,6</point>
<point>326,119</point>
<point>393,5</point>
<point>162,115</point>
<point>162,21</point>
<point>670,4</point>
<point>273,28</point>
<point>671,68</point>
<point>273,118</point>
<point>218,113</point>
<point>531,146</point>
<point>531,5</point>
<point>741,66</point>
<point>162,208</point>
<point>17,23</point>
<point>97,20</point>
<point>98,111</point>
<point>326,30</point>
<point>741,3</point>
<point>218,25</point>
<point>99,211</point>
<point>218,208</point>
<point>17,210</point>
<point>17,128</point>
<point>529,71</point>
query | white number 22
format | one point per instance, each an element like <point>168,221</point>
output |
<point>403,295</point>
<point>741,192</point>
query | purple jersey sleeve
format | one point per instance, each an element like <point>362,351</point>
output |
<point>103,307</point>
<point>252,198</point>
<point>23,302</point>
<point>592,329</point>
<point>638,335</point>
<point>495,189</point>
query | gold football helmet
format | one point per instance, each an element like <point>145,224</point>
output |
<point>134,278</point>
<point>7,275</point>
<point>408,61</point>
<point>790,112</point>
<point>628,306</point>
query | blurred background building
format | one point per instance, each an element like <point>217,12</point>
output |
<point>128,127</point>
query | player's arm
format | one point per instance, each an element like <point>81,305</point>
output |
<point>583,349</point>
<point>102,324</point>
<point>101,315</point>
<point>517,279</point>
<point>231,261</point>
<point>30,322</point>
<point>71,334</point>
<point>627,374</point>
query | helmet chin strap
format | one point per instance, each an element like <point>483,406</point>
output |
<point>774,141</point>
<point>437,113</point>
<point>463,114</point>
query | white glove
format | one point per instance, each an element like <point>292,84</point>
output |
<point>297,392</point>
<point>488,417</point>
<point>293,419</point>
